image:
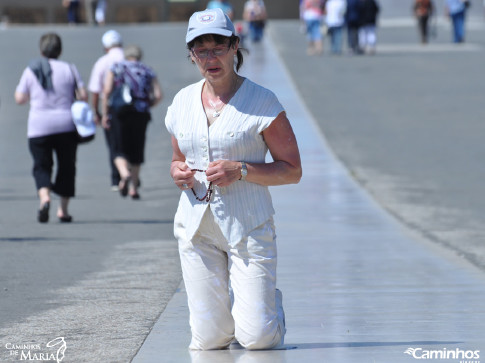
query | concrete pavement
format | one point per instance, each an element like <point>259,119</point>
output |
<point>408,123</point>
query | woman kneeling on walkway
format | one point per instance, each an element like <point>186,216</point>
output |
<point>222,128</point>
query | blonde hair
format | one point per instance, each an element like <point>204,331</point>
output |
<point>133,51</point>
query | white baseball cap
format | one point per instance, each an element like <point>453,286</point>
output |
<point>83,119</point>
<point>111,38</point>
<point>212,21</point>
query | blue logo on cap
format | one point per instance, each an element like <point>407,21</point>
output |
<point>206,18</point>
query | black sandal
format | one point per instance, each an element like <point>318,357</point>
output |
<point>43,214</point>
<point>124,188</point>
<point>65,219</point>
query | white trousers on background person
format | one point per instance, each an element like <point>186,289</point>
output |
<point>100,13</point>
<point>368,37</point>
<point>211,269</point>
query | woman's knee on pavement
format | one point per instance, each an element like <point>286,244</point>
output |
<point>211,340</point>
<point>264,337</point>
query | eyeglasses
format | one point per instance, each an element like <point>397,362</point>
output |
<point>218,51</point>
<point>208,194</point>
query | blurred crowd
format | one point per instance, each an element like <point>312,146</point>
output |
<point>254,15</point>
<point>320,19</point>
<point>329,17</point>
<point>359,18</point>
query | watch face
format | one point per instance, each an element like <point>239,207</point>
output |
<point>244,171</point>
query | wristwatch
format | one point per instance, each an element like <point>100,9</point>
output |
<point>244,171</point>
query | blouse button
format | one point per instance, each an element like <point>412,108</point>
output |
<point>181,135</point>
<point>231,134</point>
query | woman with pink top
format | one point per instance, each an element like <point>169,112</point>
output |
<point>49,85</point>
<point>312,14</point>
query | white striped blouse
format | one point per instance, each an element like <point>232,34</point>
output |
<point>236,135</point>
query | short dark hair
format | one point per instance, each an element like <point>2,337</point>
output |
<point>220,39</point>
<point>51,45</point>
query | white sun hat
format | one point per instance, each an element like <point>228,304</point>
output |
<point>212,21</point>
<point>83,119</point>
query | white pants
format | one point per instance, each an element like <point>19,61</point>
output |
<point>100,12</point>
<point>211,268</point>
<point>367,37</point>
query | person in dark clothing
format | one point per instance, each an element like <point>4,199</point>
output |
<point>129,124</point>
<point>352,19</point>
<point>72,7</point>
<point>423,9</point>
<point>367,31</point>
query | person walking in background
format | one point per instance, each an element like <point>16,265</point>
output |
<point>311,11</point>
<point>335,20</point>
<point>112,43</point>
<point>222,127</point>
<point>224,5</point>
<point>353,21</point>
<point>456,10</point>
<point>128,126</point>
<point>89,6</point>
<point>49,84</point>
<point>72,7</point>
<point>100,13</point>
<point>368,26</point>
<point>423,10</point>
<point>255,15</point>
<point>95,11</point>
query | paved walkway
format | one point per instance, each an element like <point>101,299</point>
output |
<point>357,286</point>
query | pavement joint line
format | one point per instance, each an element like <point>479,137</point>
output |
<point>472,23</point>
<point>428,48</point>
